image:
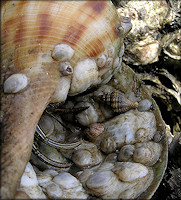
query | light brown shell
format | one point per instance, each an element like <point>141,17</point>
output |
<point>30,32</point>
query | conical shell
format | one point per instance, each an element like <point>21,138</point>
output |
<point>118,101</point>
<point>36,37</point>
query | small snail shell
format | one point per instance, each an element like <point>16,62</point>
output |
<point>95,130</point>
<point>118,101</point>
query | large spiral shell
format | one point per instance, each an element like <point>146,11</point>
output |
<point>49,49</point>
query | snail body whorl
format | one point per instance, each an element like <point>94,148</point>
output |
<point>49,49</point>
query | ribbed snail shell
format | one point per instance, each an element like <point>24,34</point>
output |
<point>118,101</point>
<point>37,37</point>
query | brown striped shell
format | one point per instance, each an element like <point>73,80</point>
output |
<point>48,32</point>
<point>118,102</point>
<point>50,49</point>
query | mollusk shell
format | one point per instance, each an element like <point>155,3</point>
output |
<point>130,128</point>
<point>146,153</point>
<point>148,17</point>
<point>123,180</point>
<point>36,37</point>
<point>86,155</point>
<point>118,101</point>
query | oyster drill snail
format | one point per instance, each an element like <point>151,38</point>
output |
<point>50,49</point>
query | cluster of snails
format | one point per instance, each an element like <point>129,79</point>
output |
<point>52,49</point>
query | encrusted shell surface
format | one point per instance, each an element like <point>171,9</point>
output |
<point>35,44</point>
<point>75,41</point>
<point>143,44</point>
<point>138,145</point>
<point>130,128</point>
<point>124,180</point>
<point>134,164</point>
<point>36,37</point>
<point>126,81</point>
<point>172,44</point>
<point>51,184</point>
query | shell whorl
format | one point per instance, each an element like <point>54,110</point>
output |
<point>118,102</point>
<point>86,35</point>
<point>36,37</point>
<point>59,31</point>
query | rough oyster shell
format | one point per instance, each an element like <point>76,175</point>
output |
<point>153,23</point>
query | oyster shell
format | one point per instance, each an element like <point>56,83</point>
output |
<point>172,44</point>
<point>154,27</point>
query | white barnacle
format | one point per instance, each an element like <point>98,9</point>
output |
<point>110,51</point>
<point>62,52</point>
<point>101,61</point>
<point>15,83</point>
<point>65,68</point>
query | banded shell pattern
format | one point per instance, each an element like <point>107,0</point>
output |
<point>118,101</point>
<point>49,49</point>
